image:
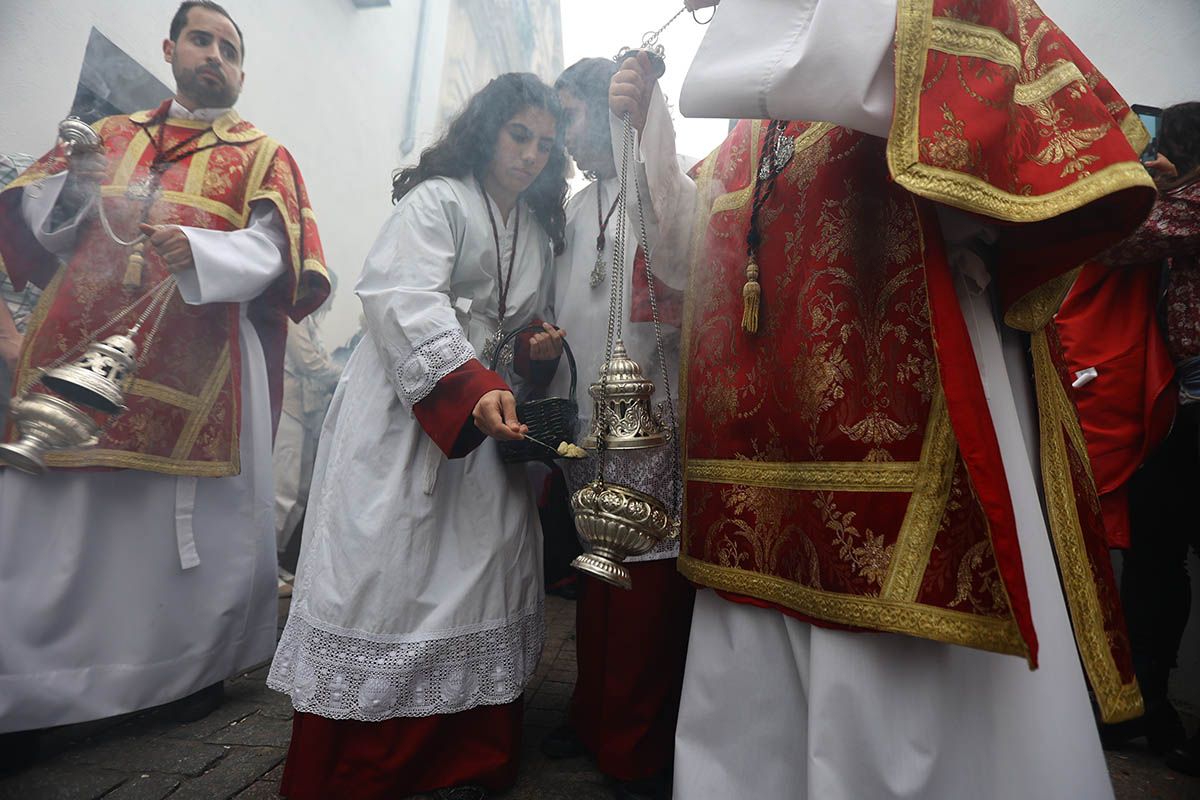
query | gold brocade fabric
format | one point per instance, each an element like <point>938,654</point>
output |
<point>835,466</point>
<point>184,412</point>
<point>823,474</point>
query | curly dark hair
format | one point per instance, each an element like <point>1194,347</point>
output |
<point>1179,139</point>
<point>467,146</point>
<point>588,79</point>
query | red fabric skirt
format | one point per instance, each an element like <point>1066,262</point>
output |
<point>353,760</point>
<point>631,647</point>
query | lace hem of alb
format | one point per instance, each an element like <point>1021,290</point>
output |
<point>343,677</point>
<point>432,359</point>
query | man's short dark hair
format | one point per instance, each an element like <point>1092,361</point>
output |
<point>179,21</point>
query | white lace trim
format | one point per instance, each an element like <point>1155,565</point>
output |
<point>346,677</point>
<point>432,359</point>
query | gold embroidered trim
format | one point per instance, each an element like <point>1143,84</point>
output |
<point>208,396</point>
<point>731,201</point>
<point>926,507</point>
<point>926,622</point>
<point>128,163</point>
<point>972,194</point>
<point>1062,74</point>
<point>1034,310</point>
<point>1117,701</point>
<point>914,33</point>
<point>258,173</point>
<point>1135,132</point>
<point>221,125</point>
<point>197,171</point>
<point>121,459</point>
<point>699,230</point>
<point>164,394</point>
<point>957,38</point>
<point>842,476</point>
<point>214,207</point>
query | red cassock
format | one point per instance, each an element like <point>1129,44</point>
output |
<point>841,463</point>
<point>354,760</point>
<point>631,646</point>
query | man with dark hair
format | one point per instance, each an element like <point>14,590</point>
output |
<point>147,568</point>
<point>631,642</point>
<point>180,21</point>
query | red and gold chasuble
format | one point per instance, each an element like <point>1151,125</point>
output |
<point>184,413</point>
<point>841,464</point>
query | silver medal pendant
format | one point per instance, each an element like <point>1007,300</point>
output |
<point>773,163</point>
<point>489,350</point>
<point>597,276</point>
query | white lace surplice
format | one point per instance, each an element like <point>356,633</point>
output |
<point>419,588</point>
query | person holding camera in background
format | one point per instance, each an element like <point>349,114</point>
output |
<point>1155,587</point>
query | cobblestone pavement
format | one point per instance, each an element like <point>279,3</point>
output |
<point>238,750</point>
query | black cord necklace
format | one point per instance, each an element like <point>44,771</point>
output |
<point>503,281</point>
<point>597,276</point>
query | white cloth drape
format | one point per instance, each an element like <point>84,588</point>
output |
<point>419,587</point>
<point>98,615</point>
<point>773,707</point>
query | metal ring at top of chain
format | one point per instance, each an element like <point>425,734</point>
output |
<point>649,39</point>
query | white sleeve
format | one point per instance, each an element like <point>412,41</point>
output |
<point>797,60</point>
<point>37,204</point>
<point>405,291</point>
<point>668,194</point>
<point>235,266</point>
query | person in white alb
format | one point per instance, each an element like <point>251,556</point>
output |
<point>141,570</point>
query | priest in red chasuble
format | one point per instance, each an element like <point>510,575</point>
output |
<point>887,490</point>
<point>141,570</point>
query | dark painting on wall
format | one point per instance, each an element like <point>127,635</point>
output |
<point>111,82</point>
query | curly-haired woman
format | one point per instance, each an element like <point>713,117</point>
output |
<point>417,615</point>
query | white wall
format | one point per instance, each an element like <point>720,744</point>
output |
<point>1148,49</point>
<point>328,80</point>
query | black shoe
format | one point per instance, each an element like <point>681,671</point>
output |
<point>197,705</point>
<point>645,789</point>
<point>1186,759</point>
<point>18,750</point>
<point>1160,725</point>
<point>562,742</point>
<point>465,792</point>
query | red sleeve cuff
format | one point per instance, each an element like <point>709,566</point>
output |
<point>445,413</point>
